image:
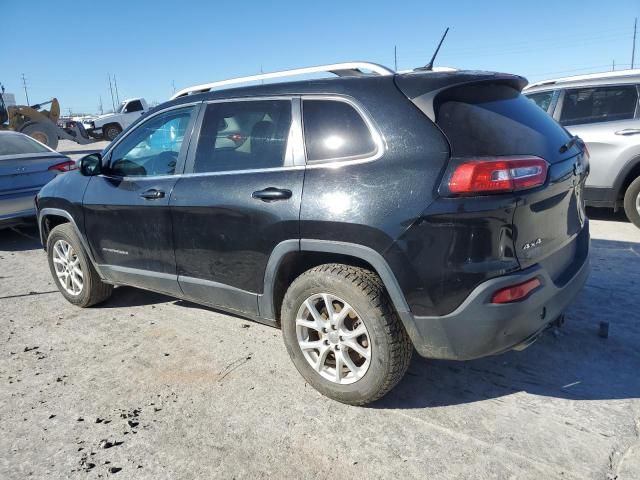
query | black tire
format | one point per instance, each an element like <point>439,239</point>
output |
<point>632,202</point>
<point>111,131</point>
<point>44,132</point>
<point>391,348</point>
<point>94,290</point>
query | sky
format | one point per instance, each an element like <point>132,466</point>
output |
<point>68,49</point>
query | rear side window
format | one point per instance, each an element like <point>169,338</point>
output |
<point>11,144</point>
<point>600,104</point>
<point>243,135</point>
<point>487,120</point>
<point>335,130</point>
<point>542,99</point>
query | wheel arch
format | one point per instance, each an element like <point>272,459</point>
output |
<point>293,257</point>
<point>49,218</point>
<point>628,174</point>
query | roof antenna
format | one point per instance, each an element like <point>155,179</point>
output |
<point>429,66</point>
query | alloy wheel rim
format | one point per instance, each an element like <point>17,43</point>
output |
<point>333,338</point>
<point>67,266</point>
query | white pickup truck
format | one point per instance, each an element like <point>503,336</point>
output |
<point>110,125</point>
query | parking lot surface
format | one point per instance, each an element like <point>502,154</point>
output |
<point>150,387</point>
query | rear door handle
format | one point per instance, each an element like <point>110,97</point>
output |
<point>270,194</point>
<point>152,194</point>
<point>628,131</point>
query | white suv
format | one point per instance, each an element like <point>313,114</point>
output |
<point>602,109</point>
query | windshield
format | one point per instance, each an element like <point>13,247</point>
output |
<point>120,107</point>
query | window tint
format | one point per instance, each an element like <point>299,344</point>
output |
<point>334,129</point>
<point>601,104</point>
<point>153,147</point>
<point>243,135</point>
<point>542,99</point>
<point>487,120</point>
<point>134,106</point>
<point>11,144</point>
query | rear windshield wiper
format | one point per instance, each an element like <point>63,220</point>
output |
<point>572,141</point>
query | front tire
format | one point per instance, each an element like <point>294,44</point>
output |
<point>343,335</point>
<point>111,131</point>
<point>72,269</point>
<point>632,202</point>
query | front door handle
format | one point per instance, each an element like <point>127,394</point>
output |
<point>270,194</point>
<point>628,131</point>
<point>152,194</point>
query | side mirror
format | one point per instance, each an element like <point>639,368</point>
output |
<point>91,165</point>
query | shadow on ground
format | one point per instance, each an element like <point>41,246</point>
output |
<point>20,238</point>
<point>607,214</point>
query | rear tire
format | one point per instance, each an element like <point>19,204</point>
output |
<point>67,257</point>
<point>111,131</point>
<point>44,132</point>
<point>632,202</point>
<point>384,344</point>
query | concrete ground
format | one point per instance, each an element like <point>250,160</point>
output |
<point>148,387</point>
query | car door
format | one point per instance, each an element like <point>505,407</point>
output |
<point>126,208</point>
<point>606,118</point>
<point>239,198</point>
<point>132,112</point>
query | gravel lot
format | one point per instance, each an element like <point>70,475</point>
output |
<point>150,387</point>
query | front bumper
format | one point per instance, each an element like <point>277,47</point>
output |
<point>478,328</point>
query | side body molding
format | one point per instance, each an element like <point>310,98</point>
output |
<point>265,301</point>
<point>63,213</point>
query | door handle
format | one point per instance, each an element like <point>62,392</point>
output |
<point>270,194</point>
<point>152,194</point>
<point>628,131</point>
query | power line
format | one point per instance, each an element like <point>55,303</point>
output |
<point>111,90</point>
<point>115,84</point>
<point>24,84</point>
<point>633,50</point>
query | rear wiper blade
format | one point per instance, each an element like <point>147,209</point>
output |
<point>572,141</point>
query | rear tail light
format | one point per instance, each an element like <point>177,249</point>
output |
<point>64,166</point>
<point>515,293</point>
<point>493,175</point>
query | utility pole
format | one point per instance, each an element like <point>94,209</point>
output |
<point>24,84</point>
<point>173,84</point>
<point>113,104</point>
<point>115,84</point>
<point>395,57</point>
<point>613,66</point>
<point>100,104</point>
<point>633,50</point>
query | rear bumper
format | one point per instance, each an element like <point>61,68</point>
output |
<point>601,197</point>
<point>15,207</point>
<point>478,328</point>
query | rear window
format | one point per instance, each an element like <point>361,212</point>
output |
<point>601,104</point>
<point>20,144</point>
<point>487,120</point>
<point>335,130</point>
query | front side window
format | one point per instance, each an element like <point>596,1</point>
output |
<point>243,135</point>
<point>153,147</point>
<point>599,104</point>
<point>335,130</point>
<point>134,106</point>
<point>542,99</point>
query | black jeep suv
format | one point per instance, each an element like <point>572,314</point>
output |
<point>364,215</point>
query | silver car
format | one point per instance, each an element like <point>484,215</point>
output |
<point>26,165</point>
<point>602,109</point>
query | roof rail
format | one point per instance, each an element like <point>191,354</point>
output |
<point>349,69</point>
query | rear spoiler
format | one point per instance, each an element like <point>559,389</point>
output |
<point>423,87</point>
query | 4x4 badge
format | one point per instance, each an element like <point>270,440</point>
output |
<point>535,243</point>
